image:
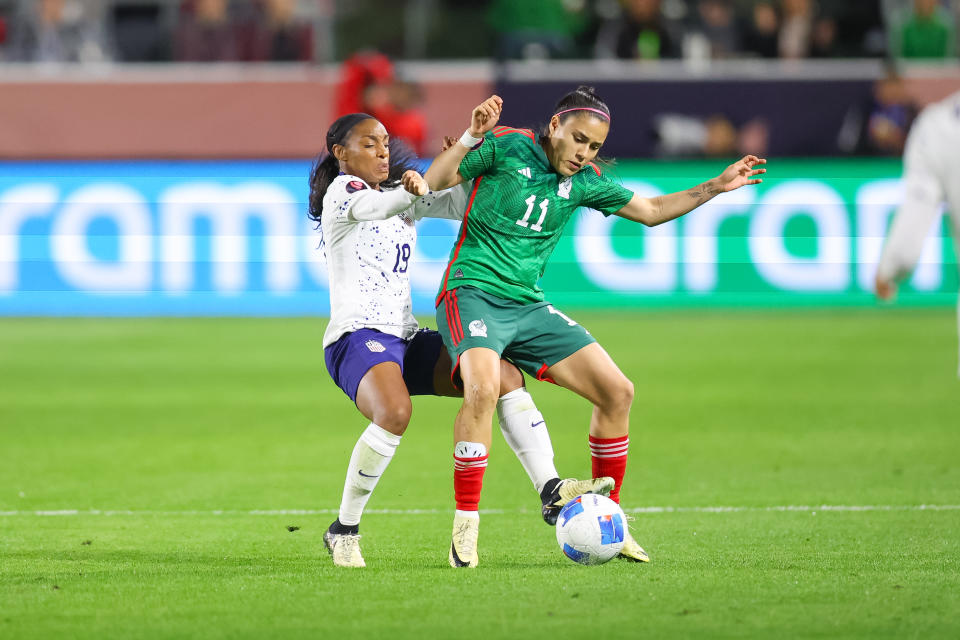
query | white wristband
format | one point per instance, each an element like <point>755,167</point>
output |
<point>468,140</point>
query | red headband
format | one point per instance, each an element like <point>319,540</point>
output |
<point>605,115</point>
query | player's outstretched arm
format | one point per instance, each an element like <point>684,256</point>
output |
<point>444,172</point>
<point>370,204</point>
<point>654,211</point>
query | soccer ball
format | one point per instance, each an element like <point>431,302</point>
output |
<point>591,529</point>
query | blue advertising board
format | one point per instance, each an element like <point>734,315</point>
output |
<point>233,238</point>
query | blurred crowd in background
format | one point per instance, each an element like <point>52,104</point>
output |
<point>157,31</point>
<point>366,37</point>
<point>331,30</point>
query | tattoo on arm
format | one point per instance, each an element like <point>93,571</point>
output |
<point>702,193</point>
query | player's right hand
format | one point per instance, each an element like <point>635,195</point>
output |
<point>485,116</point>
<point>886,290</point>
<point>448,141</point>
<point>414,183</point>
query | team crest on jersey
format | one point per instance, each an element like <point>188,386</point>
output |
<point>563,189</point>
<point>375,346</point>
<point>407,218</point>
<point>478,329</point>
<point>355,185</point>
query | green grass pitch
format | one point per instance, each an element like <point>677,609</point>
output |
<point>179,454</point>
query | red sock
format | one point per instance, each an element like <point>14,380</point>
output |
<point>468,481</point>
<point>609,458</point>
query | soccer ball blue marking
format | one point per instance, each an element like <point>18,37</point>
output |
<point>576,556</point>
<point>611,529</point>
<point>569,510</point>
<point>591,529</point>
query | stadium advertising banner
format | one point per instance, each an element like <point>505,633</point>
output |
<point>233,238</point>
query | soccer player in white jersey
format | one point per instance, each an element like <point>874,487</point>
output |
<point>366,201</point>
<point>931,175</point>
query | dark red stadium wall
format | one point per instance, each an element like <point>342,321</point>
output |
<point>135,115</point>
<point>223,119</point>
<point>804,117</point>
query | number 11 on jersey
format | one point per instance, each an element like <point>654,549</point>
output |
<point>524,221</point>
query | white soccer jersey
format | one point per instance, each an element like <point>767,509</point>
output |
<point>368,239</point>
<point>931,175</point>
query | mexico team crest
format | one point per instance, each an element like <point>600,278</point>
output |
<point>478,329</point>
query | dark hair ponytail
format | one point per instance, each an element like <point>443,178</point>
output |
<point>582,98</point>
<point>325,168</point>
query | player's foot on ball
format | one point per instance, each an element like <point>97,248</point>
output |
<point>463,548</point>
<point>633,551</point>
<point>344,548</point>
<point>557,493</point>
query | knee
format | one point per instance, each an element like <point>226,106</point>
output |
<point>618,396</point>
<point>394,417</point>
<point>481,395</point>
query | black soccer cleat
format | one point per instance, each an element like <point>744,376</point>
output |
<point>556,493</point>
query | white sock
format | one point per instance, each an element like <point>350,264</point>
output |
<point>369,460</point>
<point>525,431</point>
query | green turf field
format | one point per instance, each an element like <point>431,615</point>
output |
<point>180,452</point>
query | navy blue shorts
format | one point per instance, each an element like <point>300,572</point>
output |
<point>349,358</point>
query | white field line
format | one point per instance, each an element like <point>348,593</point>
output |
<point>416,512</point>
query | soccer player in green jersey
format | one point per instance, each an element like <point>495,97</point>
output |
<point>525,188</point>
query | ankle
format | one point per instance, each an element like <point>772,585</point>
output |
<point>338,528</point>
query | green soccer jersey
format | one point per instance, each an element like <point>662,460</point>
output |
<point>516,213</point>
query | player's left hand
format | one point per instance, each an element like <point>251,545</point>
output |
<point>741,173</point>
<point>414,183</point>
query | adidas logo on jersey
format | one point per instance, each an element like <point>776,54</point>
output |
<point>563,189</point>
<point>375,346</point>
<point>478,329</point>
<point>525,172</point>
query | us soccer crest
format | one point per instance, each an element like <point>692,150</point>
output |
<point>355,185</point>
<point>563,189</point>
